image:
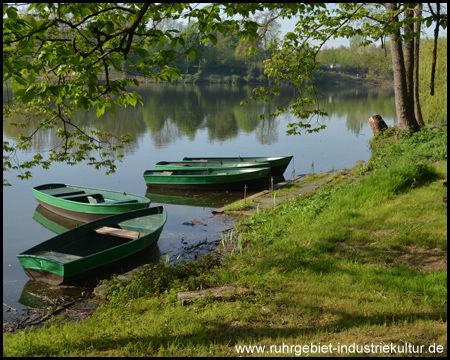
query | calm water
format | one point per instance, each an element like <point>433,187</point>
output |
<point>195,121</point>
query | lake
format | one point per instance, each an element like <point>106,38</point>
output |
<point>178,121</point>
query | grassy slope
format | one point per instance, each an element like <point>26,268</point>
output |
<point>363,262</point>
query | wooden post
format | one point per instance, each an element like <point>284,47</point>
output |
<point>245,194</point>
<point>377,124</point>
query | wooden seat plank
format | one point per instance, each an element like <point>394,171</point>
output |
<point>60,257</point>
<point>128,234</point>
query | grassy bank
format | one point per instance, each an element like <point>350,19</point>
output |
<point>361,261</point>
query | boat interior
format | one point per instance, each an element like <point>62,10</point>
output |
<point>82,197</point>
<point>103,238</point>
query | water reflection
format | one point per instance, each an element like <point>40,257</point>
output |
<point>357,105</point>
<point>192,198</point>
<point>54,222</point>
<point>172,112</point>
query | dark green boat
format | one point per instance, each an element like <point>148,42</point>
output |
<point>86,204</point>
<point>207,179</point>
<point>277,164</point>
<point>202,165</point>
<point>93,246</point>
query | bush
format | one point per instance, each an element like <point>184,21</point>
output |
<point>236,80</point>
<point>434,108</point>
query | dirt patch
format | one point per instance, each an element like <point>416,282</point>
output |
<point>427,260</point>
<point>384,232</point>
<point>417,258</point>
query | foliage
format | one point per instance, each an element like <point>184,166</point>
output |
<point>164,276</point>
<point>374,62</point>
<point>434,108</point>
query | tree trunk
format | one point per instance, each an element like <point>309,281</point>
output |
<point>404,107</point>
<point>377,124</point>
<point>436,35</point>
<point>417,25</point>
<point>408,54</point>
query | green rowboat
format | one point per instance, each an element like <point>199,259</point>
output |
<point>201,165</point>
<point>93,246</point>
<point>206,179</point>
<point>86,204</point>
<point>277,164</point>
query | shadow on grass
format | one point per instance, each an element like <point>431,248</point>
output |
<point>216,333</point>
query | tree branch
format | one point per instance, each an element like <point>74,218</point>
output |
<point>437,17</point>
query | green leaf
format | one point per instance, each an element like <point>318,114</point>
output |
<point>19,93</point>
<point>192,54</point>
<point>18,82</point>
<point>213,39</point>
<point>133,100</point>
<point>109,27</point>
<point>116,62</point>
<point>12,13</point>
<point>100,110</point>
<point>142,53</point>
<point>54,90</point>
<point>28,96</point>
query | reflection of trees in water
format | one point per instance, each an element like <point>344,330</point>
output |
<point>267,132</point>
<point>213,107</point>
<point>357,105</point>
<point>166,135</point>
<point>124,121</point>
<point>171,112</point>
<point>222,126</point>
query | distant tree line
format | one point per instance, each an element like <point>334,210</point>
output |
<point>229,59</point>
<point>232,60</point>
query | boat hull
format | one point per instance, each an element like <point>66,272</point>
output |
<point>277,164</point>
<point>226,179</point>
<point>86,204</point>
<point>199,165</point>
<point>85,249</point>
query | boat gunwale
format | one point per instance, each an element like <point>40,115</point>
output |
<point>137,197</point>
<point>238,172</point>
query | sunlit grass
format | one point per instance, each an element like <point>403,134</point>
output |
<point>240,205</point>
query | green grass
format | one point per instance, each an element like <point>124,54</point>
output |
<point>363,260</point>
<point>239,205</point>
